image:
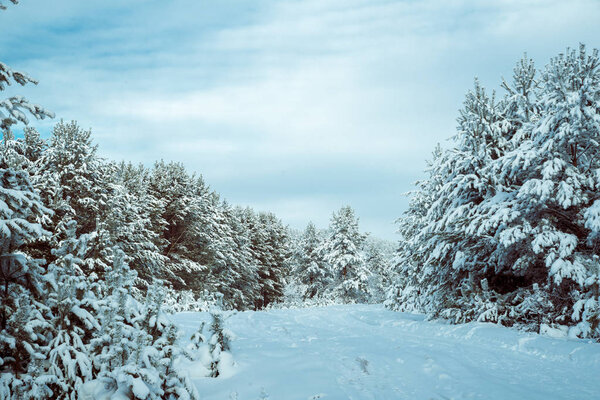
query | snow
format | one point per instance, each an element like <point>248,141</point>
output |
<point>368,352</point>
<point>98,389</point>
<point>139,388</point>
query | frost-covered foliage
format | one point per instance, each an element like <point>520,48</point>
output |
<point>188,300</point>
<point>270,254</point>
<point>73,319</point>
<point>218,344</point>
<point>378,256</point>
<point>69,179</point>
<point>61,330</point>
<point>505,227</point>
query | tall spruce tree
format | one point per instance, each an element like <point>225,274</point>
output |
<point>311,269</point>
<point>342,251</point>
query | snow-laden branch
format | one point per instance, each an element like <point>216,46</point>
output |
<point>7,74</point>
<point>13,109</point>
<point>3,7</point>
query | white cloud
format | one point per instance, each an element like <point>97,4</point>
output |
<point>267,89</point>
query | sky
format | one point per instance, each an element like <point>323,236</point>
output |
<point>294,107</point>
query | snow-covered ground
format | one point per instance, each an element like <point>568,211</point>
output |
<point>368,352</point>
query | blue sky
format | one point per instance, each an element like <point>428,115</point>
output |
<point>295,107</point>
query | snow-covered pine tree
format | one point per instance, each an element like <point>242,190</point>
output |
<point>248,286</point>
<point>127,221</point>
<point>342,251</point>
<point>176,221</point>
<point>509,233</point>
<point>12,153</point>
<point>271,252</point>
<point>118,339</point>
<point>21,154</point>
<point>133,352</point>
<point>218,343</point>
<point>447,249</point>
<point>24,319</point>
<point>405,293</point>
<point>217,248</point>
<point>379,266</point>
<point>466,181</point>
<point>33,145</point>
<point>71,297</point>
<point>164,351</point>
<point>551,239</point>
<point>176,383</point>
<point>233,273</point>
<point>311,269</point>
<point>197,339</point>
<point>71,180</point>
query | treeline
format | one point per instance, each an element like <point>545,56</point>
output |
<point>168,223</point>
<point>506,226</point>
<point>171,226</point>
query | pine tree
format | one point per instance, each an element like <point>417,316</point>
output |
<point>34,145</point>
<point>552,235</point>
<point>176,383</point>
<point>12,152</point>
<point>129,223</point>
<point>218,343</point>
<point>505,227</point>
<point>71,298</point>
<point>24,318</point>
<point>270,249</point>
<point>176,222</point>
<point>136,350</point>
<point>247,288</point>
<point>71,181</point>
<point>312,270</point>
<point>13,109</point>
<point>342,252</point>
<point>377,263</point>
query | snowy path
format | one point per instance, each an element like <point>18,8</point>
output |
<point>367,352</point>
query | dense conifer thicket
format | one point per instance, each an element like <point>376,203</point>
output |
<point>168,223</point>
<point>506,226</point>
